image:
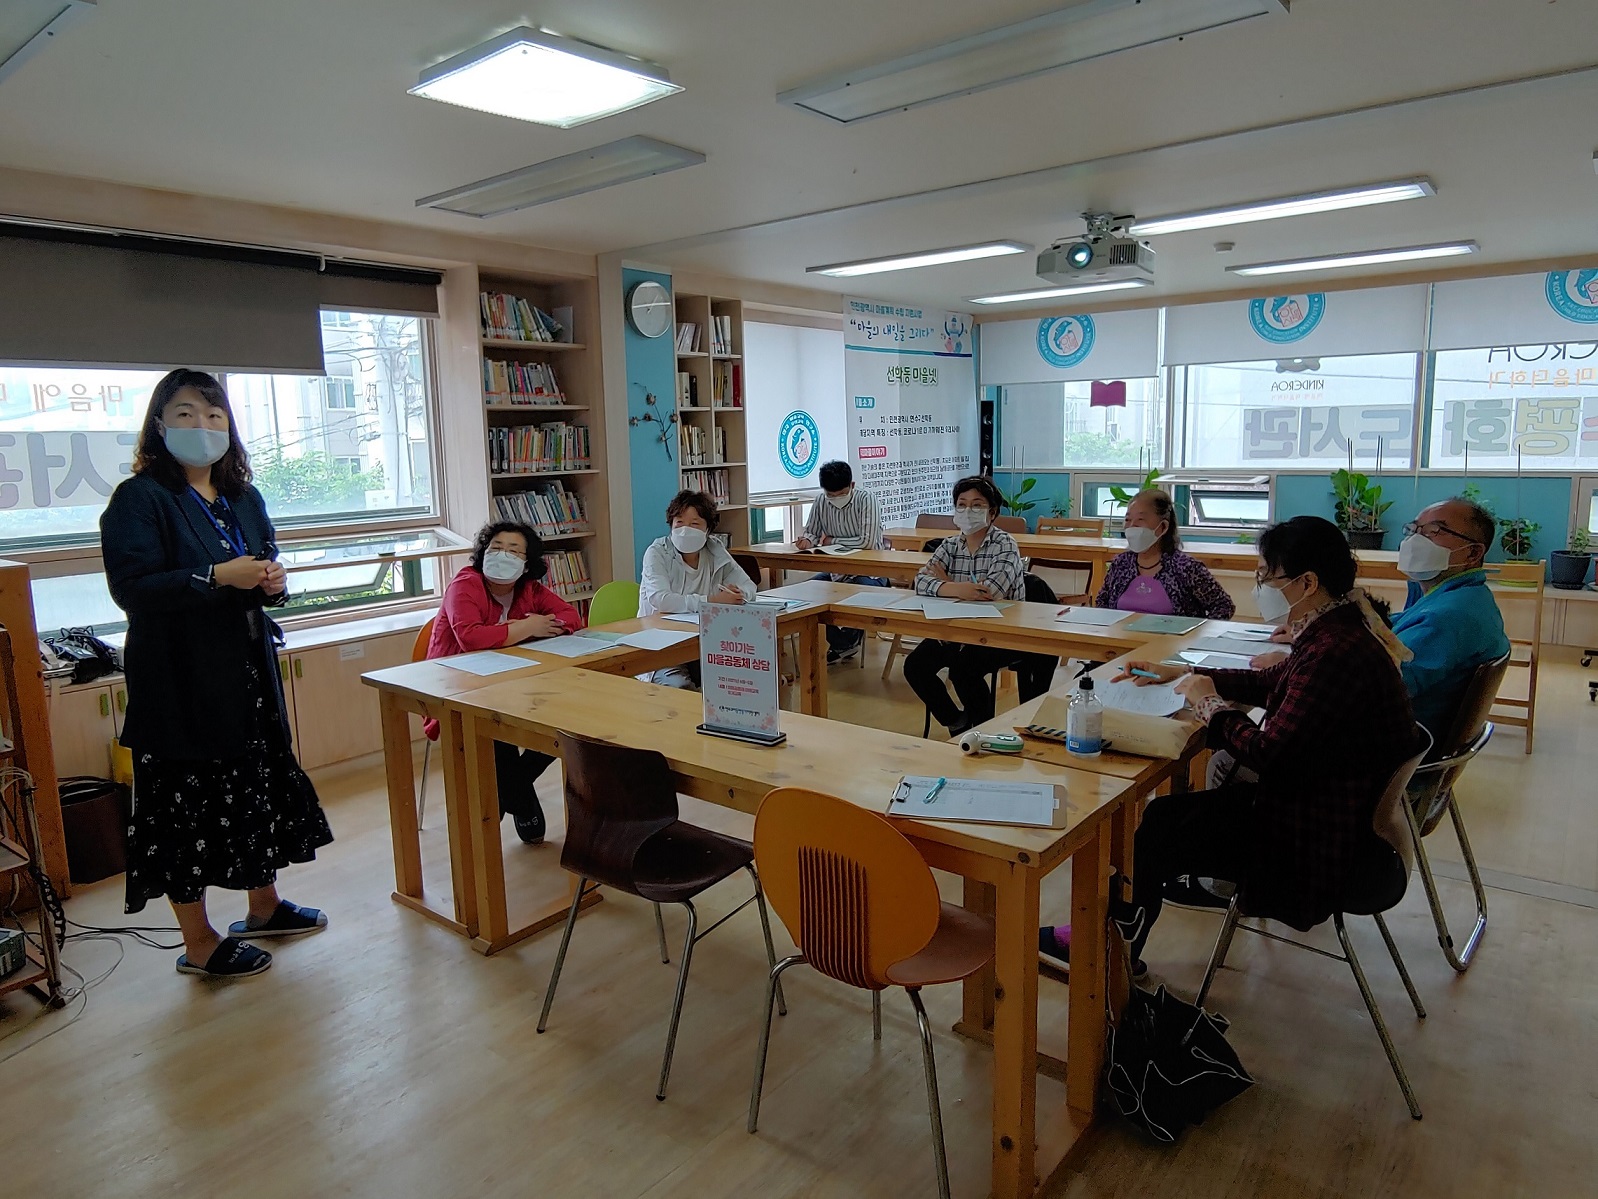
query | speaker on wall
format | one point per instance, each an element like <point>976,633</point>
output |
<point>985,432</point>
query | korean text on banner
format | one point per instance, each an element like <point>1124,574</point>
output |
<point>738,667</point>
<point>910,381</point>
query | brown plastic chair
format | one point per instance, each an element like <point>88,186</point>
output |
<point>1086,526</point>
<point>935,520</point>
<point>424,637</point>
<point>750,565</point>
<point>622,831</point>
<point>1530,578</point>
<point>1082,526</point>
<point>1431,793</point>
<point>1377,886</point>
<point>1010,524</point>
<point>862,905</point>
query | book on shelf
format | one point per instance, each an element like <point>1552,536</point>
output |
<point>721,335</point>
<point>712,482</point>
<point>511,318</point>
<point>530,449</point>
<point>550,508</point>
<point>529,383</point>
<point>700,447</point>
<point>567,573</point>
<point>687,338</point>
<point>685,389</point>
<point>727,385</point>
<point>720,448</point>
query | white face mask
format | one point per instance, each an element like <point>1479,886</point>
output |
<point>1421,558</point>
<point>503,567</point>
<point>196,447</point>
<point>688,539</point>
<point>1140,539</point>
<point>840,501</point>
<point>970,520</point>
<point>1273,605</point>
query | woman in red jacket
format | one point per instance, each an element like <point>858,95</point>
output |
<point>498,601</point>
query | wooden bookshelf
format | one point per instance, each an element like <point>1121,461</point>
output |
<point>712,375</point>
<point>573,358</point>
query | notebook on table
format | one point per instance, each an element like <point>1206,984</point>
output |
<point>1171,625</point>
<point>977,801</point>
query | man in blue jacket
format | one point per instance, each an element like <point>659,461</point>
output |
<point>1450,620</point>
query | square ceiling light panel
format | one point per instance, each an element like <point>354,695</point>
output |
<point>616,162</point>
<point>1072,34</point>
<point>535,75</point>
<point>28,27</point>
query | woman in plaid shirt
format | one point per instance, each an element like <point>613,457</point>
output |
<point>1337,723</point>
<point>983,563</point>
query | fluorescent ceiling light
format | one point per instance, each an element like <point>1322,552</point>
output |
<point>534,75</point>
<point>1051,293</point>
<point>1076,33</point>
<point>907,262</point>
<point>1273,210</point>
<point>1334,262</point>
<point>569,175</point>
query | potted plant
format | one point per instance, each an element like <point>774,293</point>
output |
<point>1014,501</point>
<point>1568,567</point>
<point>1060,505</point>
<point>1517,535</point>
<point>1360,509</point>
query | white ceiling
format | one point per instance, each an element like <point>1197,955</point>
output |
<point>302,103</point>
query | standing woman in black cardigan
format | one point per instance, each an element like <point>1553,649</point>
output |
<point>218,799</point>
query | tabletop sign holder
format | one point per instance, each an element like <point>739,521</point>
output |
<point>738,672</point>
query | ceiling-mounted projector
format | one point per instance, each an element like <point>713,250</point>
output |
<point>1104,254</point>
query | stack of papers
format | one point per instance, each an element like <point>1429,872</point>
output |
<point>487,662</point>
<point>980,801</point>
<point>1157,699</point>
<point>883,597</point>
<point>1216,661</point>
<point>1228,645</point>
<point>947,609</point>
<point>1094,616</point>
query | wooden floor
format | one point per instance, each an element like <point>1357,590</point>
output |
<point>384,1058</point>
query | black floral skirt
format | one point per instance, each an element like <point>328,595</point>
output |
<point>232,823</point>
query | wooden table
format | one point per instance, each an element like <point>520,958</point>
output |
<point>426,689</point>
<point>899,565</point>
<point>1003,866</point>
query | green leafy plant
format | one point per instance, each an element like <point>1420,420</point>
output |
<point>1360,507</point>
<point>1060,505</point>
<point>311,482</point>
<point>1247,537</point>
<point>1122,496</point>
<point>1517,535</point>
<point>1014,501</point>
<point>1580,540</point>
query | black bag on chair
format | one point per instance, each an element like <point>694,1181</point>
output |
<point>1169,1065</point>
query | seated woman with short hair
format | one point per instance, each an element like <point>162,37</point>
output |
<point>687,569</point>
<point>1154,575</point>
<point>1337,723</point>
<point>498,599</point>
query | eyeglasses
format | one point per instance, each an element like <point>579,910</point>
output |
<point>1261,578</point>
<point>1433,527</point>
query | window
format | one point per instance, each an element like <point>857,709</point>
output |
<point>1298,413</point>
<point>1515,407</point>
<point>1587,504</point>
<point>353,465</point>
<point>1098,496</point>
<point>1218,503</point>
<point>338,391</point>
<point>1044,425</point>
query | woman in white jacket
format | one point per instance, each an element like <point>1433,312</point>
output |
<point>687,569</point>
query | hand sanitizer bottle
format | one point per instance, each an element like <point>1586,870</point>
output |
<point>1084,721</point>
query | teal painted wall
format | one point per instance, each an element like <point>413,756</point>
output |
<point>651,367</point>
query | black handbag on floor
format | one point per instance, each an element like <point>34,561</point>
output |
<point>1169,1064</point>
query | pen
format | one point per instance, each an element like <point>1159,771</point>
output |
<point>1142,674</point>
<point>933,794</point>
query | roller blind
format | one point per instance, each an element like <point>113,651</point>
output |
<point>389,291</point>
<point>1383,320</point>
<point>1111,345</point>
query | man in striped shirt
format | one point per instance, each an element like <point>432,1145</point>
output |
<point>843,515</point>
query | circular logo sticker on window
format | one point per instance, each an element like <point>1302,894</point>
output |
<point>798,444</point>
<point>1574,295</point>
<point>1284,319</point>
<point>1065,341</point>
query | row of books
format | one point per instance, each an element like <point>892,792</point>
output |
<point>550,508</point>
<point>727,385</point>
<point>688,338</point>
<point>721,335</point>
<point>712,482</point>
<point>514,319</point>
<point>702,447</point>
<point>568,573</point>
<point>520,383</point>
<point>687,390</point>
<point>529,449</point>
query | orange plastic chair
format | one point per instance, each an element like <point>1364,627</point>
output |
<point>424,637</point>
<point>862,905</point>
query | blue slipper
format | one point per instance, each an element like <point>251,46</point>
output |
<point>289,920</point>
<point>231,959</point>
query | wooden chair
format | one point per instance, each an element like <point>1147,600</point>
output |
<point>899,646</point>
<point>617,600</point>
<point>1086,526</point>
<point>863,908</point>
<point>424,637</point>
<point>1431,793</point>
<point>750,565</point>
<point>1010,524</point>
<point>1524,654</point>
<point>622,831</point>
<point>935,520</point>
<point>1375,888</point>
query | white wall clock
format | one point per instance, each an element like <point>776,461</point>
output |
<point>649,308</point>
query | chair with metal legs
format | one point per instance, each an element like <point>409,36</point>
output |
<point>1377,887</point>
<point>622,831</point>
<point>862,905</point>
<point>1431,793</point>
<point>424,637</point>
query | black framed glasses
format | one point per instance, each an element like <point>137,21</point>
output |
<point>1433,527</point>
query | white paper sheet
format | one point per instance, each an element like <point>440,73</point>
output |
<point>1228,645</point>
<point>685,617</point>
<point>1094,616</point>
<point>1157,699</point>
<point>946,609</point>
<point>1215,661</point>
<point>976,800</point>
<point>572,646</point>
<point>487,662</point>
<point>883,597</point>
<point>653,639</point>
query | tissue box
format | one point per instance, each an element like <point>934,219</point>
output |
<point>12,951</point>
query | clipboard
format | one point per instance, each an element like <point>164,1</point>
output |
<point>980,801</point>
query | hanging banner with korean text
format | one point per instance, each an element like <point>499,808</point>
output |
<point>738,669</point>
<point>911,399</point>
